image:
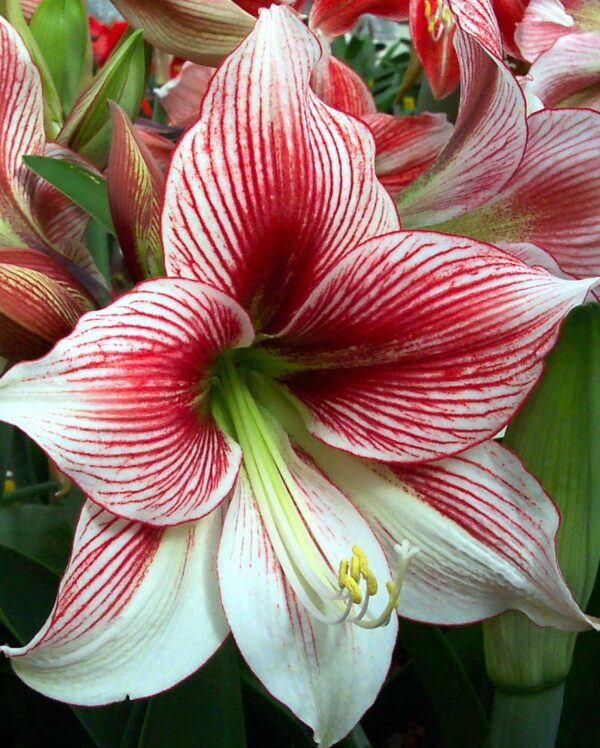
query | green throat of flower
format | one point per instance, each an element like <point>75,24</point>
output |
<point>334,591</point>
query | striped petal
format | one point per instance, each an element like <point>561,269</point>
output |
<point>120,404</point>
<point>477,18</point>
<point>333,18</point>
<point>568,74</point>
<point>181,96</point>
<point>543,23</point>
<point>553,201</point>
<point>424,345</point>
<point>485,148</point>
<point>338,86</point>
<point>509,13</point>
<point>137,611</point>
<point>337,669</point>
<point>406,146</point>
<point>270,188</point>
<point>485,528</point>
<point>203,31</point>
<point>36,308</point>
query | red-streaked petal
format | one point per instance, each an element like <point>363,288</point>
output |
<point>181,96</point>
<point>159,146</point>
<point>119,405</point>
<point>485,529</point>
<point>278,636</point>
<point>332,17</point>
<point>21,132</point>
<point>568,74</point>
<point>137,611</point>
<point>478,19</point>
<point>508,14</point>
<point>555,194</point>
<point>135,191</point>
<point>271,188</point>
<point>406,146</point>
<point>485,148</point>
<point>432,40</point>
<point>29,7</point>
<point>424,344</point>
<point>203,31</point>
<point>338,86</point>
<point>543,23</point>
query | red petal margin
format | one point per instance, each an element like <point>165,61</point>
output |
<point>137,611</point>
<point>424,344</point>
<point>478,19</point>
<point>486,531</point>
<point>556,191</point>
<point>135,190</point>
<point>202,31</point>
<point>338,86</point>
<point>120,405</point>
<point>485,149</point>
<point>406,146</point>
<point>332,17</point>
<point>271,188</point>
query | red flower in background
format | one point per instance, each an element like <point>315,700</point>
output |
<point>105,38</point>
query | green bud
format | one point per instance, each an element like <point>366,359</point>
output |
<point>60,28</point>
<point>88,128</point>
<point>557,435</point>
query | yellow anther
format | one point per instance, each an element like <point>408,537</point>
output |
<point>431,25</point>
<point>371,581</point>
<point>394,593</point>
<point>427,8</point>
<point>359,553</point>
<point>446,15</point>
<point>343,574</point>
<point>354,590</point>
<point>355,568</point>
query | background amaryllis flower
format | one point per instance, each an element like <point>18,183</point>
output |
<point>296,317</point>
<point>528,184</point>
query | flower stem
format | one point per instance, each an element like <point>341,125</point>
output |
<point>526,720</point>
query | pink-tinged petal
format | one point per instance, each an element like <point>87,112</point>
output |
<point>484,150</point>
<point>543,23</point>
<point>181,96</point>
<point>478,19</point>
<point>568,74</point>
<point>486,532</point>
<point>157,143</point>
<point>29,7</point>
<point>423,345</point>
<point>271,188</point>
<point>203,31</point>
<point>120,404</point>
<point>333,18</point>
<point>337,669</point>
<point>137,611</point>
<point>340,87</point>
<point>553,201</point>
<point>406,146</point>
<point>135,191</point>
<point>432,38</point>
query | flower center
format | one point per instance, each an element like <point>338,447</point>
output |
<point>332,592</point>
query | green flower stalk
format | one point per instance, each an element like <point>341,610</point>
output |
<point>557,435</point>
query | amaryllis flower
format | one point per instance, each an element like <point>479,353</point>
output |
<point>33,213</point>
<point>105,37</point>
<point>291,426</point>
<point>528,184</point>
<point>546,21</point>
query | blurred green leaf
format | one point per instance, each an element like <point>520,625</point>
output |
<point>84,188</point>
<point>459,712</point>
<point>60,28</point>
<point>39,532</point>
<point>96,240</point>
<point>27,592</point>
<point>206,708</point>
<point>6,437</point>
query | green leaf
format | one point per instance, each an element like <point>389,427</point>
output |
<point>39,532</point>
<point>459,712</point>
<point>27,593</point>
<point>206,708</point>
<point>60,28</point>
<point>88,127</point>
<point>84,188</point>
